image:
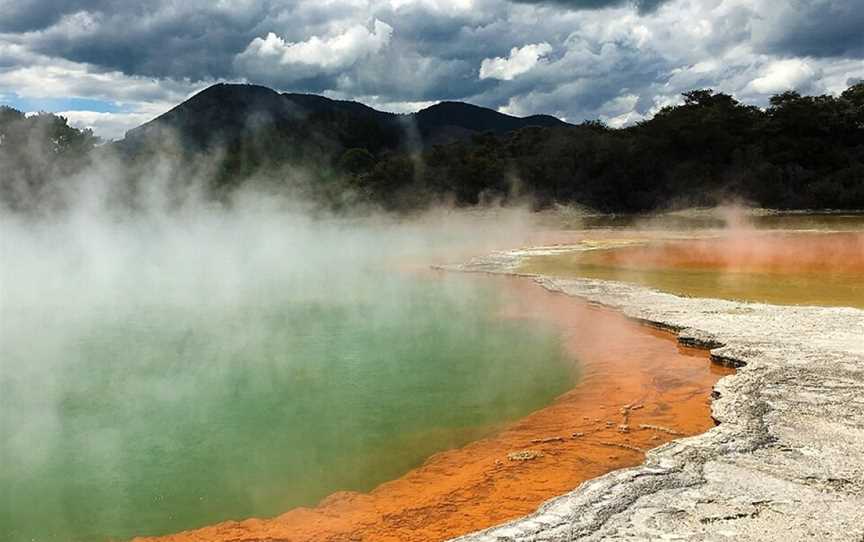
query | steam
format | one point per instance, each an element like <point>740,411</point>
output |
<point>743,240</point>
<point>162,263</point>
<point>164,267</point>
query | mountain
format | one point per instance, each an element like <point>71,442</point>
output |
<point>228,114</point>
<point>456,120</point>
<point>800,152</point>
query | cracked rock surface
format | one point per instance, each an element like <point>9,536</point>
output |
<point>786,461</point>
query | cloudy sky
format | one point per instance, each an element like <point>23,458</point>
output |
<point>112,64</point>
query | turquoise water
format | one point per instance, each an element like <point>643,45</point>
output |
<point>135,402</point>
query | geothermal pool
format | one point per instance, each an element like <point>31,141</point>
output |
<point>172,417</point>
<point>169,373</point>
<point>628,374</point>
<point>771,264</point>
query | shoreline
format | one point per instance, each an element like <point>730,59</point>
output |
<point>618,408</point>
<point>786,460</point>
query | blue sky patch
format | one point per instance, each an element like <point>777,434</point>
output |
<point>60,104</point>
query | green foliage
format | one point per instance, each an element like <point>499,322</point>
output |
<point>356,162</point>
<point>799,152</point>
<point>36,152</point>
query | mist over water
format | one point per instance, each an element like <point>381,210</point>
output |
<point>732,252</point>
<point>166,370</point>
<point>172,362</point>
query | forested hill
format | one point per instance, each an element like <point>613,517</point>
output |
<point>230,115</point>
<point>800,152</point>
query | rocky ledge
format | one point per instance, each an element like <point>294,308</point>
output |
<point>786,460</point>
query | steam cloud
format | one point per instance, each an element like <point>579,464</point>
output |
<point>160,262</point>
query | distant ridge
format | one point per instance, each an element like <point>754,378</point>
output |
<point>440,118</point>
<point>225,113</point>
<point>800,152</point>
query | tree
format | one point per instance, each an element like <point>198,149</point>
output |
<point>37,152</point>
<point>356,162</point>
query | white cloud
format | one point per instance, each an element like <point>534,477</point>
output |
<point>106,125</point>
<point>621,111</point>
<point>328,53</point>
<point>521,60</point>
<point>789,74</point>
<point>35,75</point>
<point>441,6</point>
<point>66,79</point>
<point>400,55</point>
<point>382,104</point>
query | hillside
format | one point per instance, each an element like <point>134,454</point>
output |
<point>800,152</point>
<point>224,114</point>
<point>449,121</point>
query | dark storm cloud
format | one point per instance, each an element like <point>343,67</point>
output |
<point>585,82</point>
<point>27,15</point>
<point>202,40</point>
<point>644,6</point>
<point>155,38</point>
<point>615,59</point>
<point>819,28</point>
<point>397,72</point>
<point>198,40</point>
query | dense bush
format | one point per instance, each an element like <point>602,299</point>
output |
<point>800,152</point>
<point>36,149</point>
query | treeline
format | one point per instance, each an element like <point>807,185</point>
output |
<point>801,152</point>
<point>37,152</point>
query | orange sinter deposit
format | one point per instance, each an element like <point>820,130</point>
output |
<point>751,252</point>
<point>638,389</point>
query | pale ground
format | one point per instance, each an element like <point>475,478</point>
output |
<point>786,461</point>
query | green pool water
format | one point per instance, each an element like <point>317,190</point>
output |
<point>170,417</point>
<point>165,373</point>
